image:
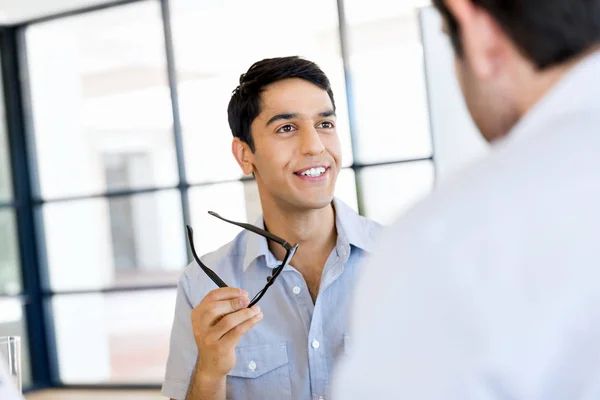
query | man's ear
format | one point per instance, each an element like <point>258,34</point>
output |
<point>481,37</point>
<point>243,155</point>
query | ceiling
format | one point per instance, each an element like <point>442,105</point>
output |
<point>16,11</point>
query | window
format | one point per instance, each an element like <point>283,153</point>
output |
<point>113,338</point>
<point>386,61</point>
<point>389,190</point>
<point>10,279</point>
<point>105,97</point>
<point>12,323</point>
<point>118,241</point>
<point>10,283</point>
<point>107,167</point>
<point>106,103</point>
<point>12,317</point>
<point>109,194</point>
<point>5,184</point>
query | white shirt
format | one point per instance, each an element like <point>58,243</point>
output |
<point>490,288</point>
<point>7,389</point>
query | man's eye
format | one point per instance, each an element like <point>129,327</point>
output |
<point>326,125</point>
<point>285,129</point>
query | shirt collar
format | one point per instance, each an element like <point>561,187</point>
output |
<point>352,229</point>
<point>257,246</point>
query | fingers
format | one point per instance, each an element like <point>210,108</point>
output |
<point>226,293</point>
<point>232,320</point>
<point>215,311</point>
<point>232,337</point>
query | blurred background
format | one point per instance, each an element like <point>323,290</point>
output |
<point>114,134</point>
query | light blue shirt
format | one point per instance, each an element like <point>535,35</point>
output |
<point>291,353</point>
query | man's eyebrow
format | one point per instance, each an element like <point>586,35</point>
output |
<point>328,113</point>
<point>288,116</point>
<point>279,117</point>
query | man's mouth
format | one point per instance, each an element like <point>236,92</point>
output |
<point>314,172</point>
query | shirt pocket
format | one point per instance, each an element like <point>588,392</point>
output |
<point>260,372</point>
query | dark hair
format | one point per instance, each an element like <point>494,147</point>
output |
<point>548,32</point>
<point>244,105</point>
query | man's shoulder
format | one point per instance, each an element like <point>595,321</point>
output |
<point>370,227</point>
<point>469,197</point>
<point>506,186</point>
<point>359,228</point>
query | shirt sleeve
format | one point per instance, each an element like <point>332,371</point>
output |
<point>183,351</point>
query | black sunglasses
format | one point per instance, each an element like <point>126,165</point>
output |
<point>290,251</point>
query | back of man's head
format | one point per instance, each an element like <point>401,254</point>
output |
<point>548,32</point>
<point>510,53</point>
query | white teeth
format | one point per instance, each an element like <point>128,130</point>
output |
<point>314,172</point>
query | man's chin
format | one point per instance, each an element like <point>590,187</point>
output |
<point>314,202</point>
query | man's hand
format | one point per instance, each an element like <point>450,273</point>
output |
<point>219,322</point>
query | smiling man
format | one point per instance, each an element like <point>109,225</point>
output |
<point>282,116</point>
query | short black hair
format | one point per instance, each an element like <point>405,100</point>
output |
<point>244,105</point>
<point>548,32</point>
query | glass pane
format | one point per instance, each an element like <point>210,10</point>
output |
<point>116,338</point>
<point>386,61</point>
<point>105,101</point>
<point>345,188</point>
<point>10,277</point>
<point>209,69</point>
<point>237,201</point>
<point>121,241</point>
<point>390,190</point>
<point>5,184</point>
<point>12,323</point>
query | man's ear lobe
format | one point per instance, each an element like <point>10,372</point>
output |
<point>243,155</point>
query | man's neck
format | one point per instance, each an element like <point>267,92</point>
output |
<point>313,230</point>
<point>535,85</point>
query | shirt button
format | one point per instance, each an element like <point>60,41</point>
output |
<point>316,344</point>
<point>252,366</point>
<point>296,290</point>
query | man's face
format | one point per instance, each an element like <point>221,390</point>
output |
<point>486,71</point>
<point>297,154</point>
<point>488,102</point>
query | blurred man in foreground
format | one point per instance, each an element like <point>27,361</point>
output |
<point>490,288</point>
